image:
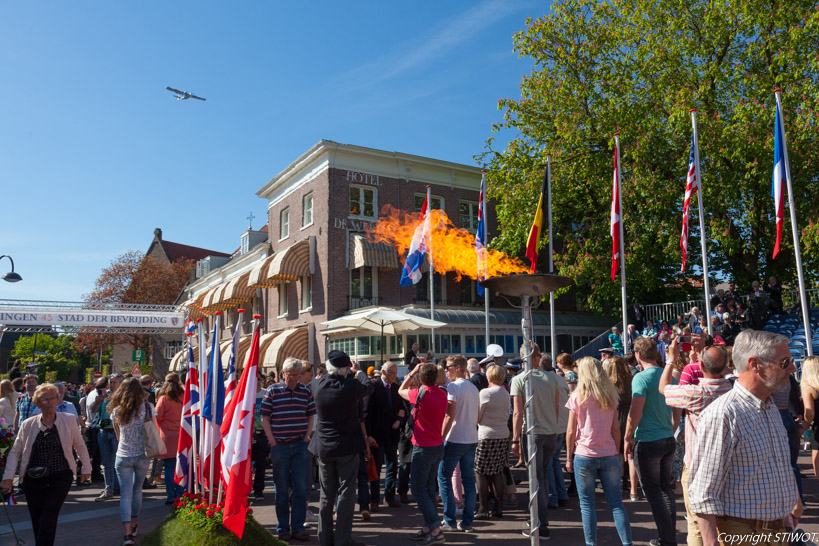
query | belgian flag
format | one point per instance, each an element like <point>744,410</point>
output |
<point>537,226</point>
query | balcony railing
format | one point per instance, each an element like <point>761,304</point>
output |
<point>357,302</point>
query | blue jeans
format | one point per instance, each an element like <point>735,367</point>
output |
<point>423,474</point>
<point>557,482</point>
<point>290,463</point>
<point>131,472</point>
<point>455,454</point>
<point>172,490</point>
<point>654,461</point>
<point>108,453</point>
<point>586,471</point>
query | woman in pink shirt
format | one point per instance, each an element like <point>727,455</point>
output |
<point>169,418</point>
<point>593,438</point>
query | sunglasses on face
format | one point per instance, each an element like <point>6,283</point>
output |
<point>784,363</point>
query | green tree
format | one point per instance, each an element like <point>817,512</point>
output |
<point>638,67</point>
<point>60,354</point>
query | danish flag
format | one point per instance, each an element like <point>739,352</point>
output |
<point>615,216</point>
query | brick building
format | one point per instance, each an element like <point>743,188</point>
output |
<point>320,265</point>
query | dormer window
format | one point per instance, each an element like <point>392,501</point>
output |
<point>245,242</point>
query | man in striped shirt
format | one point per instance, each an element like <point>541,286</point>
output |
<point>742,488</point>
<point>694,398</point>
<point>287,412</point>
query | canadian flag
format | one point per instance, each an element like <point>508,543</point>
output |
<point>615,216</point>
<point>237,435</point>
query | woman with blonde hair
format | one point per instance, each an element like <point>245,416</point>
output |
<point>129,408</point>
<point>810,392</point>
<point>593,438</point>
<point>8,401</point>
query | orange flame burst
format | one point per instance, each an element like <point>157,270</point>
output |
<point>453,248</point>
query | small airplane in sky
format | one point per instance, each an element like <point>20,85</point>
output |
<point>183,95</point>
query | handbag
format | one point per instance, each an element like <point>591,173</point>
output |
<point>151,440</point>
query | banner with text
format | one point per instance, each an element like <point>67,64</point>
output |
<point>104,318</point>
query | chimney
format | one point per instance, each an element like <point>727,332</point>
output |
<point>158,234</point>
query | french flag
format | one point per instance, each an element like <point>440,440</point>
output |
<point>411,273</point>
<point>780,177</point>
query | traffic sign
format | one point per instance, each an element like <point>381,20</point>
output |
<point>138,356</point>
<point>135,370</point>
<point>97,375</point>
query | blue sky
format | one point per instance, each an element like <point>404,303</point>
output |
<point>95,153</point>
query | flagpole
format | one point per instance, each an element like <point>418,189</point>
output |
<point>199,417</point>
<point>551,256</point>
<point>485,257</point>
<point>803,296</point>
<point>431,269</point>
<point>706,281</point>
<point>622,240</point>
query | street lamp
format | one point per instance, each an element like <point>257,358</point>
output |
<point>11,276</point>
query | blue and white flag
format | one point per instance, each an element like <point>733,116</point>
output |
<point>418,249</point>
<point>480,244</point>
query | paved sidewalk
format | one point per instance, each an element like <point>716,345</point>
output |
<point>97,523</point>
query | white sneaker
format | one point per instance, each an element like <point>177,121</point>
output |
<point>445,526</point>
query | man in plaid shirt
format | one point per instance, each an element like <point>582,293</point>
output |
<point>742,488</point>
<point>25,404</point>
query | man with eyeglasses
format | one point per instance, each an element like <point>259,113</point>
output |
<point>742,485</point>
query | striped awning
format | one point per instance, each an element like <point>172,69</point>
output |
<point>293,342</point>
<point>178,359</point>
<point>362,252</point>
<point>286,265</point>
<point>237,290</point>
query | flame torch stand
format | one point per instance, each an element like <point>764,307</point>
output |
<point>527,288</point>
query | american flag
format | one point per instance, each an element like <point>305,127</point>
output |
<point>480,244</point>
<point>692,185</point>
<point>615,216</point>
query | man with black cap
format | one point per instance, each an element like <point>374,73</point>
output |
<point>337,443</point>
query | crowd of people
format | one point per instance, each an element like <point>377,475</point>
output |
<point>664,410</point>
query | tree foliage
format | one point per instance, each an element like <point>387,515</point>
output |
<point>134,277</point>
<point>60,354</point>
<point>638,67</point>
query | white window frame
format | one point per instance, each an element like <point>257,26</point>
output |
<point>360,271</point>
<point>306,293</point>
<point>473,206</point>
<point>305,209</point>
<point>284,223</point>
<point>171,349</point>
<point>284,304</point>
<point>375,202</point>
<point>245,243</point>
<point>433,198</point>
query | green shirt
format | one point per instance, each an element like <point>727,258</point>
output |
<point>544,389</point>
<point>655,424</point>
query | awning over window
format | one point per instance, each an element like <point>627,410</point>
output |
<point>286,265</point>
<point>293,342</point>
<point>179,362</point>
<point>363,252</point>
<point>238,291</point>
<point>241,355</point>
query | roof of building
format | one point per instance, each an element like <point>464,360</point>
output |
<point>178,251</point>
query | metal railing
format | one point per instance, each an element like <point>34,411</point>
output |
<point>592,348</point>
<point>658,312</point>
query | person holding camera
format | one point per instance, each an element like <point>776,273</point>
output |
<point>43,449</point>
<point>106,437</point>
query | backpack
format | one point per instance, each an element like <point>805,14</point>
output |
<point>409,426</point>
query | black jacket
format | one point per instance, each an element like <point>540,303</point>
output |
<point>381,414</point>
<point>338,433</point>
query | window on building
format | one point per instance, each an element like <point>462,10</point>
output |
<point>363,202</point>
<point>468,215</point>
<point>283,298</point>
<point>307,210</point>
<point>469,292</point>
<point>172,348</point>
<point>436,201</point>
<point>245,242</point>
<point>363,287</point>
<point>306,292</point>
<point>422,288</point>
<point>284,224</point>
